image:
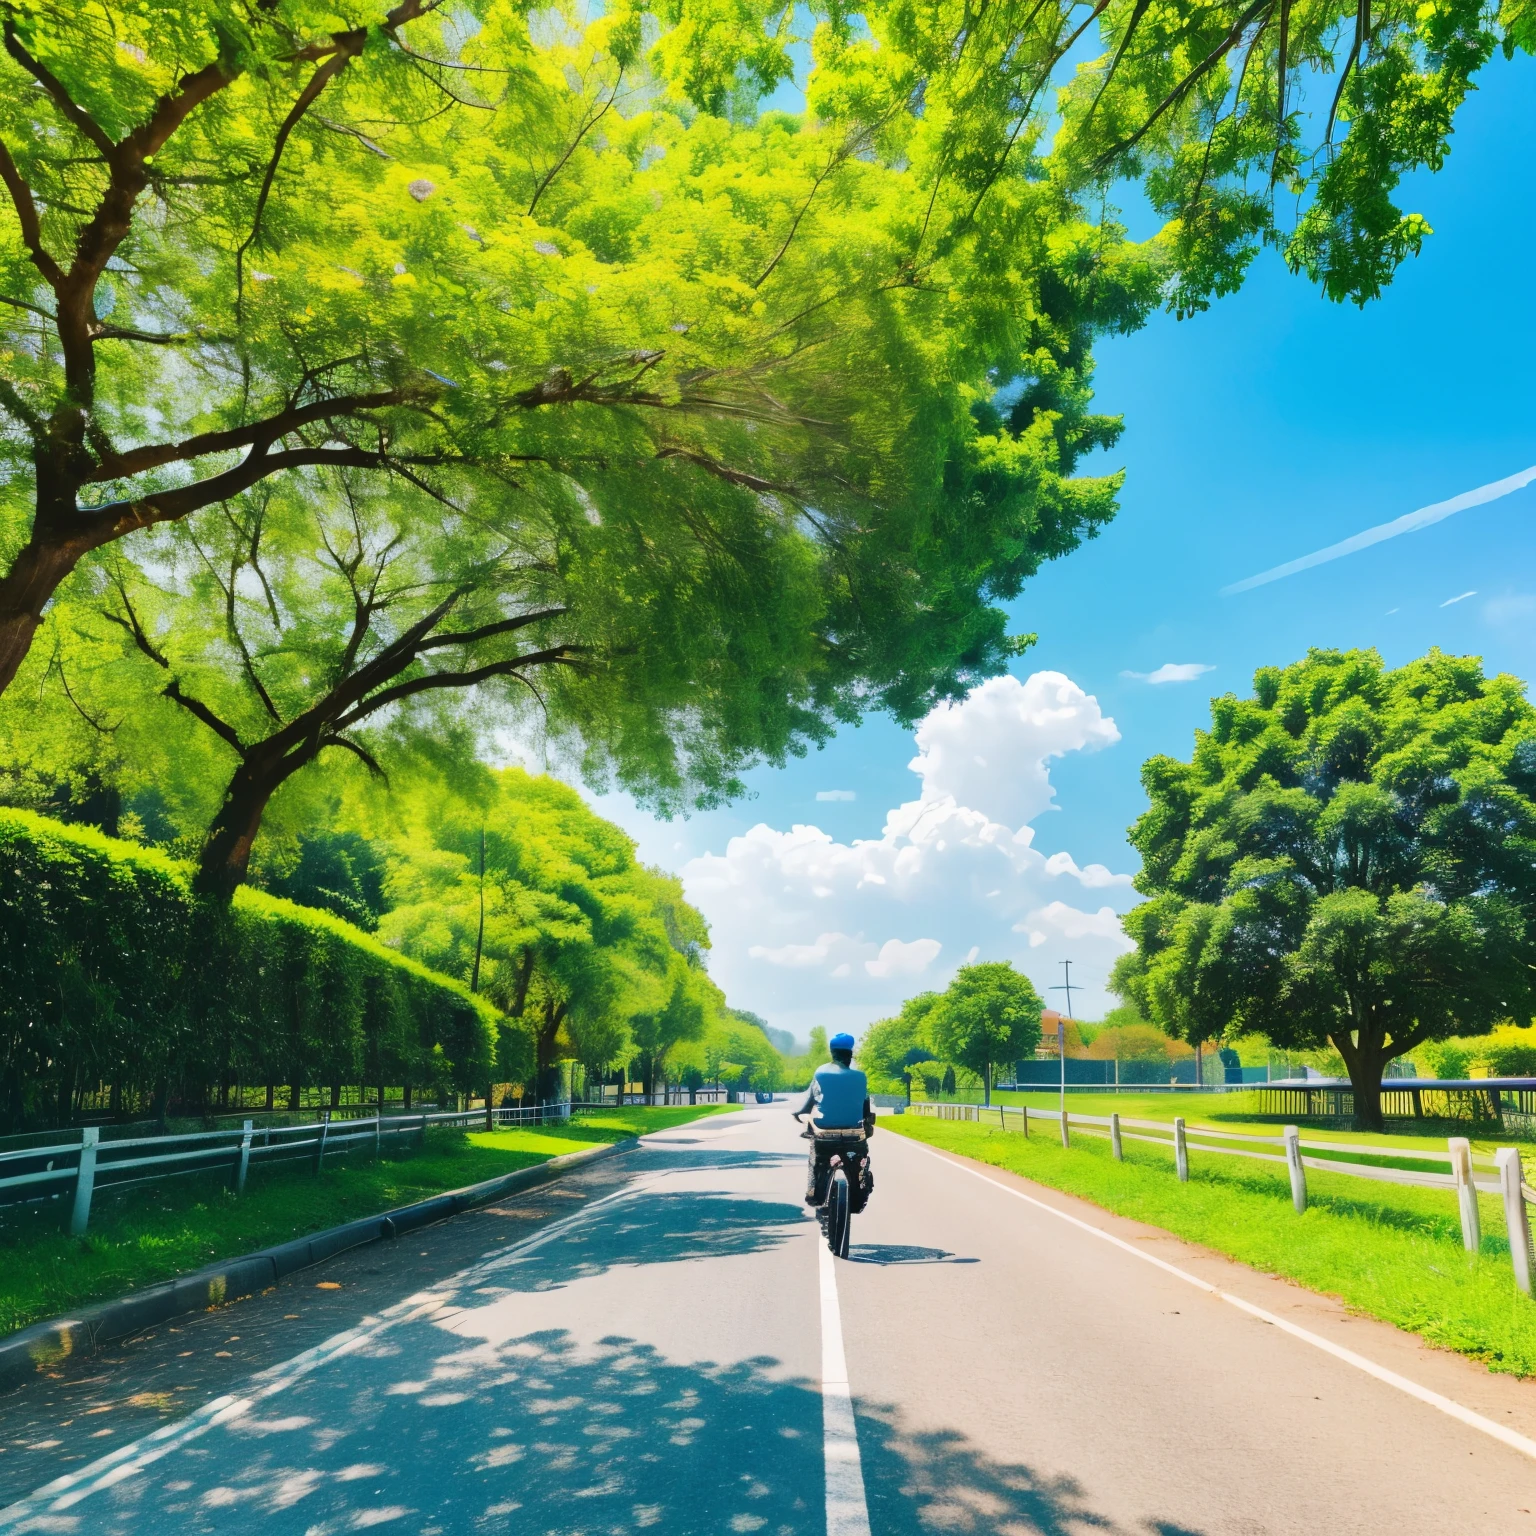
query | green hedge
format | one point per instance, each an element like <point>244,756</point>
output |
<point>112,973</point>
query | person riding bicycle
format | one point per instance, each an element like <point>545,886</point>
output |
<point>843,1122</point>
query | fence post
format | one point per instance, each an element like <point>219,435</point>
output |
<point>1466,1193</point>
<point>1515,1217</point>
<point>243,1159</point>
<point>378,1131</point>
<point>1024,1116</point>
<point>421,1135</point>
<point>325,1126</point>
<point>1116,1149</point>
<point>1180,1150</point>
<point>1297,1169</point>
<point>85,1181</point>
<point>490,1106</point>
<point>1066,1135</point>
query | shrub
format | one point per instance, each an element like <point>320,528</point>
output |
<point>112,973</point>
<point>1131,1042</point>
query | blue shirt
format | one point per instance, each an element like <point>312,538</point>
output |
<point>838,1094</point>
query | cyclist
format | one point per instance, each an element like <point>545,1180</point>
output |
<point>844,1120</point>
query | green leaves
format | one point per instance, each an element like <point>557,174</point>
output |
<point>988,1014</point>
<point>1347,857</point>
<point>113,973</point>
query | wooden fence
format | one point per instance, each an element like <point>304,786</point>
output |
<point>1457,1170</point>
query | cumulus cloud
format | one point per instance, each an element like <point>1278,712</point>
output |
<point>808,930</point>
<point>1173,672</point>
<point>898,959</point>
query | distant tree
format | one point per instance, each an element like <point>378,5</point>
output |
<point>884,1048</point>
<point>989,1013</point>
<point>1134,1042</point>
<point>1346,859</point>
<point>341,872</point>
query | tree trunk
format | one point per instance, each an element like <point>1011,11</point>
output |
<point>546,1068</point>
<point>25,589</point>
<point>159,1104</point>
<point>1365,1059</point>
<point>226,855</point>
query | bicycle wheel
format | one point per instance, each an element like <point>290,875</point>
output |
<point>838,1220</point>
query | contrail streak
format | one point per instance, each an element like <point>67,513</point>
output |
<point>1410,523</point>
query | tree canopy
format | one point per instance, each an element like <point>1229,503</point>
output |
<point>591,956</point>
<point>988,1013</point>
<point>1347,857</point>
<point>648,418</point>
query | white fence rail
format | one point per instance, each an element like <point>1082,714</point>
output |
<point>42,1172</point>
<point>1462,1162</point>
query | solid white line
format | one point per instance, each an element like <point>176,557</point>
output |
<point>67,1491</point>
<point>1445,1405</point>
<point>847,1513</point>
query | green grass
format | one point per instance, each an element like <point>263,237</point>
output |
<point>1390,1251</point>
<point>1240,1112</point>
<point>158,1231</point>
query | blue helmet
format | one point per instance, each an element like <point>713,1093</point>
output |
<point>841,1043</point>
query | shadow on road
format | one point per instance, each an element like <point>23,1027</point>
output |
<point>657,1229</point>
<point>539,1434</point>
<point>472,1420</point>
<point>898,1253</point>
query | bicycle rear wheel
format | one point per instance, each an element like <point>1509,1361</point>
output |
<point>838,1217</point>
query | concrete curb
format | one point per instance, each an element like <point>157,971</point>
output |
<point>43,1345</point>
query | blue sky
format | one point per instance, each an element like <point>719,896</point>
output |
<point>1274,425</point>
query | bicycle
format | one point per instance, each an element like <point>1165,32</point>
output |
<point>846,1154</point>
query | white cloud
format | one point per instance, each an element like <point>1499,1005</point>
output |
<point>1460,599</point>
<point>808,930</point>
<point>1411,522</point>
<point>990,751</point>
<point>1173,672</point>
<point>898,959</point>
<point>836,794</point>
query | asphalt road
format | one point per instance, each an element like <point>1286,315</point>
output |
<point>659,1343</point>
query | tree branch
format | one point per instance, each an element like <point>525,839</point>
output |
<point>582,132</point>
<point>26,214</point>
<point>360,752</point>
<point>557,655</point>
<point>172,691</point>
<point>487,631</point>
<point>135,461</point>
<point>115,518</point>
<point>349,45</point>
<point>732,476</point>
<point>73,113</point>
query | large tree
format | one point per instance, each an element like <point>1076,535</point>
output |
<point>988,1013</point>
<point>643,414</point>
<point>1347,858</point>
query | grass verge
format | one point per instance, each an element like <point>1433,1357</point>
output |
<point>1389,1251</point>
<point>155,1232</point>
<point>1240,1112</point>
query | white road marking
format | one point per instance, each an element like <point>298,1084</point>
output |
<point>847,1513</point>
<point>1436,1400</point>
<point>67,1491</point>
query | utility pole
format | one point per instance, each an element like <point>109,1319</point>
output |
<point>1061,1039</point>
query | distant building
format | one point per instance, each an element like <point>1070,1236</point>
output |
<point>1046,1050</point>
